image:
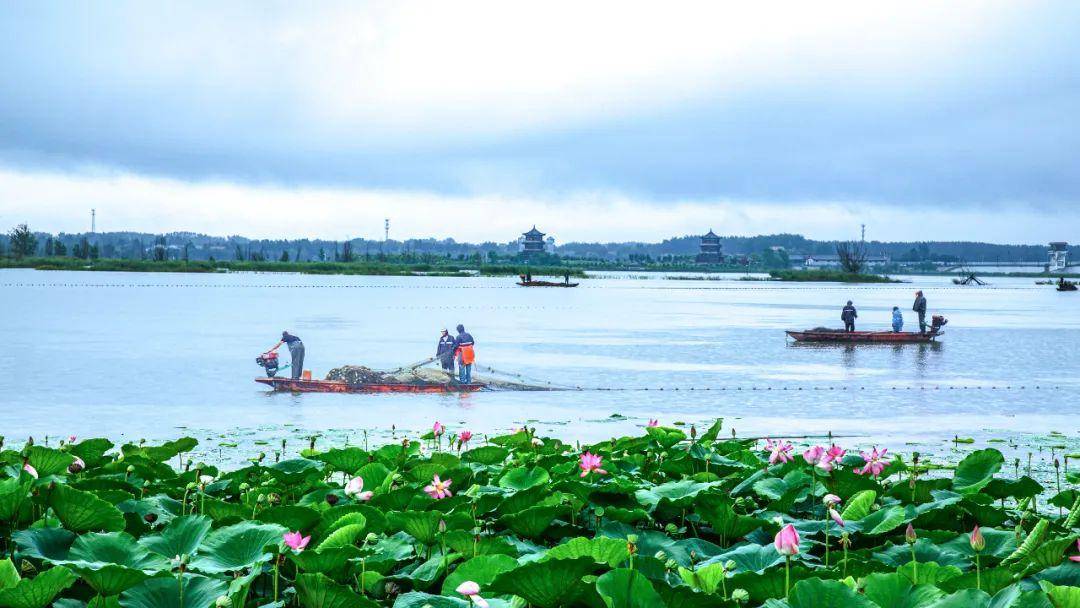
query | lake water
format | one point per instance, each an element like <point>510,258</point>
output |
<point>157,355</point>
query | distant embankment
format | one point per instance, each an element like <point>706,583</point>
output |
<point>348,268</point>
<point>831,276</point>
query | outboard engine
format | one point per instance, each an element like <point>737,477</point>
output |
<point>936,323</point>
<point>269,362</point>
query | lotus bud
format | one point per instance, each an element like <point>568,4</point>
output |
<point>150,518</point>
<point>978,543</point>
<point>909,535</point>
<point>371,537</point>
<point>131,468</point>
<point>261,498</point>
<point>730,565</point>
<point>671,528</point>
<point>191,485</point>
<point>244,487</point>
<point>845,539</point>
<point>740,596</point>
<point>631,544</point>
<point>660,555</point>
<point>274,498</point>
<point>671,564</point>
<point>223,602</point>
<point>332,499</point>
<point>442,526</point>
<point>76,467</point>
<point>392,589</point>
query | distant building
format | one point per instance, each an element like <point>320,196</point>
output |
<point>710,252</point>
<point>1059,252</point>
<point>833,261</point>
<point>532,242</point>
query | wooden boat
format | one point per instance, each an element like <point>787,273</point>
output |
<point>1066,286</point>
<point>337,386</point>
<point>837,336</point>
<point>546,284</point>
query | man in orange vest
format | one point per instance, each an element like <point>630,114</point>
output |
<point>463,346</point>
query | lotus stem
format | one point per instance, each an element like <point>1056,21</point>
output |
<point>787,575</point>
<point>978,573</point>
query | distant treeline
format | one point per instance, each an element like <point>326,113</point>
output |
<point>756,250</point>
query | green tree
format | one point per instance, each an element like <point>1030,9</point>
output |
<point>60,249</point>
<point>284,256</point>
<point>49,247</point>
<point>23,242</point>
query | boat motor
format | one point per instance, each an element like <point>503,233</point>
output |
<point>936,323</point>
<point>269,362</point>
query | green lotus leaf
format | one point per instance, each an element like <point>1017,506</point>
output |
<point>92,451</point>
<point>482,569</point>
<point>237,547</point>
<point>1025,487</point>
<point>1061,596</point>
<point>928,572</point>
<point>706,579</point>
<point>421,525</point>
<point>925,551</point>
<point>52,544</point>
<point>546,584</point>
<point>976,470</point>
<point>344,536</point>
<point>326,561</point>
<point>522,478</point>
<point>114,548</point>
<point>896,591</point>
<point>601,549</point>
<point>626,588</point>
<point>39,591</point>
<point>968,598</point>
<point>374,475</point>
<point>9,574</point>
<point>182,536</point>
<point>488,454</point>
<point>751,558</point>
<point>674,491</point>
<point>531,523</point>
<point>49,461</point>
<point>999,543</point>
<point>13,494</point>
<point>347,519</point>
<point>884,520</point>
<point>990,580</point>
<point>160,453</point>
<point>347,460</point>
<point>109,579</point>
<point>219,510</point>
<point>83,511</point>
<point>194,592</point>
<point>294,470</point>
<point>720,513</point>
<point>665,436</point>
<point>818,593</point>
<point>293,517</point>
<point>859,505</point>
<point>318,591</point>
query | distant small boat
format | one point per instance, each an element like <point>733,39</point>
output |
<point>546,284</point>
<point>1067,286</point>
<point>839,336</point>
<point>290,385</point>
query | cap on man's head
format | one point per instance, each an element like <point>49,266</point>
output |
<point>849,302</point>
<point>460,327</point>
<point>444,330</point>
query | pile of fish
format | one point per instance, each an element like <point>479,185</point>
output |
<point>358,374</point>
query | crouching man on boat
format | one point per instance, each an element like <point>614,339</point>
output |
<point>444,352</point>
<point>897,319</point>
<point>920,308</point>
<point>466,356</point>
<point>848,316</point>
<point>296,353</point>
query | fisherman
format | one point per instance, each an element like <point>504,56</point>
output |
<point>445,352</point>
<point>463,347</point>
<point>528,276</point>
<point>296,353</point>
<point>920,308</point>
<point>848,316</point>
<point>897,319</point>
<point>566,278</point>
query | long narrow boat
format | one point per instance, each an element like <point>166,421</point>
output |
<point>546,284</point>
<point>863,337</point>
<point>337,386</point>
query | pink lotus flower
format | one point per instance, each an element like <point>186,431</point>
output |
<point>355,488</point>
<point>779,451</point>
<point>590,463</point>
<point>71,438</point>
<point>787,541</point>
<point>836,517</point>
<point>439,489</point>
<point>814,455</point>
<point>30,470</point>
<point>438,428</point>
<point>875,462</point>
<point>978,543</point>
<point>295,541</point>
<point>653,423</point>
<point>826,464</point>
<point>79,462</point>
<point>831,500</point>
<point>836,452</point>
<point>471,590</point>
<point>1076,558</point>
<point>464,437</point>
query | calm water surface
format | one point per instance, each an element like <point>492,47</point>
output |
<point>153,355</point>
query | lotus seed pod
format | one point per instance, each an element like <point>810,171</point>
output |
<point>331,499</point>
<point>730,565</point>
<point>131,468</point>
<point>244,487</point>
<point>660,555</point>
<point>671,528</point>
<point>371,537</point>
<point>740,595</point>
<point>150,518</point>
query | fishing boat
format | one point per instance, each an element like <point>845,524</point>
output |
<point>337,386</point>
<point>546,284</point>
<point>839,336</point>
<point>1066,286</point>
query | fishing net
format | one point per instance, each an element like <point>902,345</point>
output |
<point>358,374</point>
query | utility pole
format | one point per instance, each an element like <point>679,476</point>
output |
<point>93,221</point>
<point>863,232</point>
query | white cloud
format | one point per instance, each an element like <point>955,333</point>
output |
<point>61,202</point>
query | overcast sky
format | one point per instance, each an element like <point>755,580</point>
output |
<point>594,120</point>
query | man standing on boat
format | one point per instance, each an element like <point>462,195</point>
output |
<point>296,353</point>
<point>920,308</point>
<point>848,316</point>
<point>466,356</point>
<point>445,352</point>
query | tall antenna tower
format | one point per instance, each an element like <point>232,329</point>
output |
<point>863,232</point>
<point>386,229</point>
<point>93,221</point>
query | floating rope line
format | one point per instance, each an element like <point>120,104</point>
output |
<point>621,287</point>
<point>738,389</point>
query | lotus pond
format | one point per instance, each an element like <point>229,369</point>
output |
<point>670,517</point>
